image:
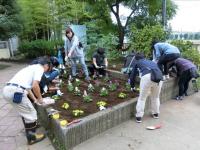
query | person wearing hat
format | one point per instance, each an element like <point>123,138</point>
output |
<point>147,87</point>
<point>16,91</point>
<point>49,76</point>
<point>74,52</point>
<point>99,63</point>
<point>164,53</point>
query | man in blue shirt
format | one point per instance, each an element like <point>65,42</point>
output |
<point>147,86</point>
<point>163,53</point>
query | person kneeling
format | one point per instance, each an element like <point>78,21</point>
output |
<point>99,63</point>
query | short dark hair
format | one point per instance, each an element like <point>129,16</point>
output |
<point>101,50</point>
<point>41,60</point>
<point>153,43</point>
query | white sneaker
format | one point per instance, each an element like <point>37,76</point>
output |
<point>167,77</point>
<point>164,78</point>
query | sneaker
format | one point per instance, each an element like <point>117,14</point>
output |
<point>179,98</point>
<point>167,77</point>
<point>36,137</point>
<point>138,119</point>
<point>164,78</point>
<point>155,116</point>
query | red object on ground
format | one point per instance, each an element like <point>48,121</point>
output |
<point>154,127</point>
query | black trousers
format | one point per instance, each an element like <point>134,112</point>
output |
<point>100,71</point>
<point>164,60</point>
<point>184,82</point>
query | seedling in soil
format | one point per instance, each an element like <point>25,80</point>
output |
<point>90,88</point>
<point>122,95</point>
<point>86,97</point>
<point>65,106</point>
<point>77,112</point>
<point>77,82</point>
<point>104,92</point>
<point>56,116</point>
<point>106,79</point>
<point>70,87</point>
<point>77,92</point>
<point>112,86</point>
<point>128,86</point>
<point>63,122</point>
<point>56,97</point>
<point>101,103</point>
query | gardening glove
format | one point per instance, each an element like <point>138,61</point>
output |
<point>59,93</point>
<point>134,89</point>
<point>102,108</point>
<point>45,89</point>
<point>66,58</point>
<point>69,54</point>
<point>97,67</point>
<point>48,101</point>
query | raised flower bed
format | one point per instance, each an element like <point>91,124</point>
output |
<point>120,105</point>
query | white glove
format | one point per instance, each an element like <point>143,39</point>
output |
<point>66,58</point>
<point>97,67</point>
<point>48,101</point>
<point>45,89</point>
<point>59,93</point>
<point>102,108</point>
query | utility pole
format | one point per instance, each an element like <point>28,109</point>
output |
<point>164,10</point>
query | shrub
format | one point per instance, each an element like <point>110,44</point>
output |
<point>142,38</point>
<point>109,42</point>
<point>187,50</point>
<point>38,48</point>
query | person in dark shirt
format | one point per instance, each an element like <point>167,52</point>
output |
<point>99,63</point>
<point>147,87</point>
<point>186,70</point>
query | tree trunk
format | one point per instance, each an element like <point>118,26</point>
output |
<point>120,38</point>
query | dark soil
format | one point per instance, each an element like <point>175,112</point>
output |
<point>76,102</point>
<point>116,64</point>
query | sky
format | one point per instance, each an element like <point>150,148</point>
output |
<point>187,18</point>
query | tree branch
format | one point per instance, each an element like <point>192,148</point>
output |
<point>129,17</point>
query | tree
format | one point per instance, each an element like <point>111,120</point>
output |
<point>141,39</point>
<point>43,18</point>
<point>10,23</point>
<point>142,12</point>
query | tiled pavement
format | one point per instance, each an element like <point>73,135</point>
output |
<point>12,134</point>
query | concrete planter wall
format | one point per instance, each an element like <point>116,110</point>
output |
<point>94,124</point>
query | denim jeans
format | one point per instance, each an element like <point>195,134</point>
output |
<point>51,75</point>
<point>74,65</point>
<point>48,77</point>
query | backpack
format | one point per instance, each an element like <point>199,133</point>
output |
<point>156,75</point>
<point>127,68</point>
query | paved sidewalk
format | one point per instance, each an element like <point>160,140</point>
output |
<point>12,134</point>
<point>180,131</point>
